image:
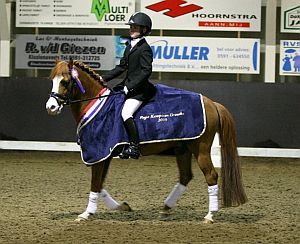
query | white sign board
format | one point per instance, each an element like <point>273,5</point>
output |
<point>290,16</point>
<point>171,54</point>
<point>213,15</point>
<point>211,55</point>
<point>74,13</point>
<point>289,57</point>
<point>41,51</point>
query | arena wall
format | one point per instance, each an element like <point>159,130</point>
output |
<point>265,114</point>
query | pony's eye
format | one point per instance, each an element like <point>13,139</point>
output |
<point>64,83</point>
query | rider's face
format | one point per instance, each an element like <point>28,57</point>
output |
<point>135,31</point>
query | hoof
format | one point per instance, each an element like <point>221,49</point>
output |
<point>124,207</point>
<point>83,217</point>
<point>208,221</point>
<point>79,219</point>
<point>165,214</point>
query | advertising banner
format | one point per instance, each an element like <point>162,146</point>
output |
<point>290,16</point>
<point>41,51</point>
<point>289,57</point>
<point>170,54</point>
<point>213,15</point>
<point>74,13</point>
<point>211,55</point>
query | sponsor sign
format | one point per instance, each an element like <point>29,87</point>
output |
<point>215,15</point>
<point>289,57</point>
<point>41,51</point>
<point>290,16</point>
<point>211,55</point>
<point>74,13</point>
<point>171,54</point>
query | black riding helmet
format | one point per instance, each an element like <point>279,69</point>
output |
<point>141,19</point>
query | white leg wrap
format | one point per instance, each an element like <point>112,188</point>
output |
<point>213,198</point>
<point>92,205</point>
<point>174,195</point>
<point>109,202</point>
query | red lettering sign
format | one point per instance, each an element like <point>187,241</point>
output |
<point>174,7</point>
<point>223,24</point>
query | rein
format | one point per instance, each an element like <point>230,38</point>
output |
<point>92,98</point>
<point>67,101</point>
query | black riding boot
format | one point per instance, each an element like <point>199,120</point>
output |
<point>133,150</point>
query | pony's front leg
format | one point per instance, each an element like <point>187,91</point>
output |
<point>184,160</point>
<point>99,172</point>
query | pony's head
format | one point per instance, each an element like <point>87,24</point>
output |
<point>66,84</point>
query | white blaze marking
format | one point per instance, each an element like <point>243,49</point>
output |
<point>55,83</point>
<point>52,106</point>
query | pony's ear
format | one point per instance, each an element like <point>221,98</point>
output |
<point>71,62</point>
<point>57,61</point>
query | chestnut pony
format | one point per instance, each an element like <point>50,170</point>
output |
<point>67,90</point>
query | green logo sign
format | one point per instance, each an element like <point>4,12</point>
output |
<point>100,8</point>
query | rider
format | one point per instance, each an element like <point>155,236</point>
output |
<point>137,61</point>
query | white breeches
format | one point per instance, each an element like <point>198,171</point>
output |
<point>129,108</point>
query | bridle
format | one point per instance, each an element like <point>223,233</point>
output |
<point>60,99</point>
<point>74,82</point>
<point>63,100</point>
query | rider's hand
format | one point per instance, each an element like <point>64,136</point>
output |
<point>102,81</point>
<point>125,90</point>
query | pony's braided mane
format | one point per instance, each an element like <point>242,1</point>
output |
<point>89,70</point>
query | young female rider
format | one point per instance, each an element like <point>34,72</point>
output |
<point>137,61</point>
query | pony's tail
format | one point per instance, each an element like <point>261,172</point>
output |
<point>233,193</point>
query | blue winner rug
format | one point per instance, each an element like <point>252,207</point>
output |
<point>173,114</point>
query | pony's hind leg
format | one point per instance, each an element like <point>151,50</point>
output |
<point>201,149</point>
<point>183,159</point>
<point>204,161</point>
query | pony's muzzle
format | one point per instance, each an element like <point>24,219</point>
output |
<point>52,106</point>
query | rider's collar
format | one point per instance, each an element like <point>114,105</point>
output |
<point>133,42</point>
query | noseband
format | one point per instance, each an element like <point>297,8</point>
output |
<point>60,99</point>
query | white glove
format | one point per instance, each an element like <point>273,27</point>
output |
<point>101,79</point>
<point>125,90</point>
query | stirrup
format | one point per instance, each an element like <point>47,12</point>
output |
<point>123,156</point>
<point>132,151</point>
